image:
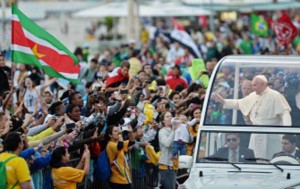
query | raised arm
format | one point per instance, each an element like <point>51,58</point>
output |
<point>47,84</point>
<point>218,97</point>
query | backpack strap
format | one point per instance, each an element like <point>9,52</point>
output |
<point>15,185</point>
<point>8,159</point>
<point>5,162</point>
<point>114,158</point>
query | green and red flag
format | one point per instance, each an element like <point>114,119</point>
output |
<point>33,45</point>
<point>259,25</point>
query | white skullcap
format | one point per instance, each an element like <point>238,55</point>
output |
<point>261,77</point>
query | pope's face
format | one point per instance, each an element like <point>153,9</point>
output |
<point>258,86</point>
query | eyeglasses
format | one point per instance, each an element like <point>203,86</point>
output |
<point>231,139</point>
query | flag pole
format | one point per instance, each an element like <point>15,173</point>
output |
<point>12,2</point>
<point>12,34</point>
<point>211,17</point>
<point>3,5</point>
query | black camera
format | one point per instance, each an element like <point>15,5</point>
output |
<point>124,91</point>
<point>98,88</point>
<point>96,96</point>
<point>166,105</point>
<point>70,127</point>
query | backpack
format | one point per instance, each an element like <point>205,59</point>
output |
<point>3,180</point>
<point>103,167</point>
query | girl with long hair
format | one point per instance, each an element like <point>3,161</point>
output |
<point>116,147</point>
<point>65,176</point>
<point>166,137</point>
<point>193,130</point>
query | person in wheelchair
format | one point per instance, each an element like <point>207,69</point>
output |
<point>289,147</point>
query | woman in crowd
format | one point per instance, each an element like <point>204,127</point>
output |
<point>116,148</point>
<point>73,112</point>
<point>166,137</point>
<point>31,96</point>
<point>65,176</point>
<point>193,129</point>
<point>57,109</point>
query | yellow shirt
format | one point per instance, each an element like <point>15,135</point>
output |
<point>174,167</point>
<point>66,177</point>
<point>16,170</point>
<point>144,36</point>
<point>120,173</point>
<point>194,131</point>
<point>41,135</point>
<point>152,155</point>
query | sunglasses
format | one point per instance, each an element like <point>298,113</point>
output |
<point>231,139</point>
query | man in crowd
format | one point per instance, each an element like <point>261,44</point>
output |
<point>119,77</point>
<point>4,71</point>
<point>175,79</point>
<point>17,171</point>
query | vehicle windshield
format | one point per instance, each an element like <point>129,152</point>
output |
<point>249,147</point>
<point>255,92</point>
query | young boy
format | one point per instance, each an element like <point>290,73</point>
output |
<point>181,136</point>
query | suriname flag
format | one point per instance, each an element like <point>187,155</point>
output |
<point>259,25</point>
<point>33,45</point>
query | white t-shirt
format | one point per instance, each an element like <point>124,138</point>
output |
<point>30,99</point>
<point>182,133</point>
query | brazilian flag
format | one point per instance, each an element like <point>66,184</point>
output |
<point>259,25</point>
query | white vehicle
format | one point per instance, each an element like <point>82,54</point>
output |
<point>267,155</point>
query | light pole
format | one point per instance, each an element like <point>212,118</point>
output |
<point>211,17</point>
<point>133,19</point>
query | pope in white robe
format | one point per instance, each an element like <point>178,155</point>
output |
<point>264,106</point>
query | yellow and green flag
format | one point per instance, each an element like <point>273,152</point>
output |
<point>259,25</point>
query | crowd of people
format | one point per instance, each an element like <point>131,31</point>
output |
<point>140,105</point>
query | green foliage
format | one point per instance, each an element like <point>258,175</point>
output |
<point>108,22</point>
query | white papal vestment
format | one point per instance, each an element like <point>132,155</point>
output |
<point>270,109</point>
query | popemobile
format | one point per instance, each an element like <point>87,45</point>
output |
<point>249,134</point>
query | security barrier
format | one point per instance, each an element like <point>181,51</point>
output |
<point>148,180</point>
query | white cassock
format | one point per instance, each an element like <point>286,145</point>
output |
<point>270,109</point>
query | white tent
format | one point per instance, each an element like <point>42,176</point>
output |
<point>145,10</point>
<point>36,10</point>
<point>233,2</point>
<point>242,5</point>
